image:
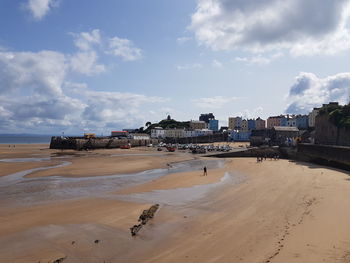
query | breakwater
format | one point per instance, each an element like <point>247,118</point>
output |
<point>81,143</point>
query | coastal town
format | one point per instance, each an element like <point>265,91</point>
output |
<point>194,131</point>
<point>317,127</point>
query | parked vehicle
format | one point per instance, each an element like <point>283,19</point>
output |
<point>127,146</point>
<point>171,148</point>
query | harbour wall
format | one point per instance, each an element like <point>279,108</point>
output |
<point>267,152</point>
<point>199,139</point>
<point>327,155</point>
<point>80,143</point>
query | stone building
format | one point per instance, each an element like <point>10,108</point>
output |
<point>282,134</point>
<point>280,120</point>
<point>312,116</point>
<point>234,123</point>
<point>260,124</point>
<point>198,125</point>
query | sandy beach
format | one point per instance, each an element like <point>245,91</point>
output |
<point>243,211</point>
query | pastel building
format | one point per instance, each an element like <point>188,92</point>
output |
<point>244,125</point>
<point>260,124</point>
<point>302,122</point>
<point>273,121</point>
<point>251,124</point>
<point>234,123</point>
<point>214,125</point>
<point>292,122</point>
<point>240,135</point>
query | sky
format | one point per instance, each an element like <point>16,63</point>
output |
<point>96,66</point>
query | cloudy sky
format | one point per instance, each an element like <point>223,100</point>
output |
<point>78,66</point>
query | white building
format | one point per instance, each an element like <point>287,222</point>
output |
<point>189,133</point>
<point>158,133</point>
<point>139,136</point>
<point>203,132</point>
<point>312,116</point>
<point>174,133</point>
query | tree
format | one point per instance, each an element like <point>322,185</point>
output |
<point>148,124</point>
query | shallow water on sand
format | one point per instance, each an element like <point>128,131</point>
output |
<point>23,160</point>
<point>16,189</point>
<point>181,196</point>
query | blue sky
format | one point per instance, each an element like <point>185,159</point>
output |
<point>78,66</point>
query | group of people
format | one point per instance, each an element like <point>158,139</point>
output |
<point>259,159</point>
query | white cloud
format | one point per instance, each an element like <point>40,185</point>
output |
<point>302,27</point>
<point>41,73</point>
<point>85,41</point>
<point>215,102</point>
<point>117,107</point>
<point>251,113</point>
<point>189,66</point>
<point>39,8</point>
<point>31,88</point>
<point>124,48</point>
<point>309,91</point>
<point>37,93</point>
<point>86,63</point>
<point>216,64</point>
<point>259,59</point>
<point>92,44</point>
<point>183,40</point>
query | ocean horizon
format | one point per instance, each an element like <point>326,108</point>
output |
<point>24,138</point>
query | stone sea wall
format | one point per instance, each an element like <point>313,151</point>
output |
<point>327,155</point>
<point>80,143</point>
<point>330,155</point>
<point>268,152</point>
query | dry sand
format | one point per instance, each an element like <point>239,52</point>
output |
<point>282,212</point>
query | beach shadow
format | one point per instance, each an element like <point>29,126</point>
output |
<point>312,165</point>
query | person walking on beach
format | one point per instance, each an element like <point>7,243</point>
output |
<point>205,171</point>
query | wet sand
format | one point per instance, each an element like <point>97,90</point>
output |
<point>280,211</point>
